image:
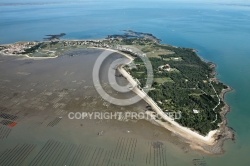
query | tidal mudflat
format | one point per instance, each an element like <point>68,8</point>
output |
<point>36,97</point>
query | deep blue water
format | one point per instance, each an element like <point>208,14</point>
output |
<point>221,33</point>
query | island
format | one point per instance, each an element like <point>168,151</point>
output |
<point>182,82</point>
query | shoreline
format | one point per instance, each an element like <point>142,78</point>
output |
<point>215,138</point>
<point>195,140</point>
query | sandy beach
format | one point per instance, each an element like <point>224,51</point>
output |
<point>195,140</point>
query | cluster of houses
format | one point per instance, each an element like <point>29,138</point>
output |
<point>19,48</point>
<point>165,67</point>
<point>16,48</point>
<point>92,43</point>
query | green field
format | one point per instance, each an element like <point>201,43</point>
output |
<point>163,80</point>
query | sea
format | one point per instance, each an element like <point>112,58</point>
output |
<point>220,32</point>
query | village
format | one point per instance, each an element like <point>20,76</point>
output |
<point>47,47</point>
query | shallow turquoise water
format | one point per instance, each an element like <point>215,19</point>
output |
<point>219,32</point>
